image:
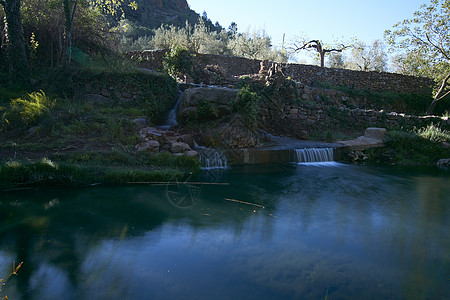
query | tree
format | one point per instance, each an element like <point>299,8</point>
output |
<point>317,46</point>
<point>336,60</point>
<point>109,7</point>
<point>426,41</point>
<point>16,50</point>
<point>368,58</point>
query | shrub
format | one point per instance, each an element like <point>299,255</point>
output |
<point>178,61</point>
<point>416,148</point>
<point>247,104</point>
<point>27,111</point>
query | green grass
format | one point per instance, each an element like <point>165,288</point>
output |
<point>420,147</point>
<point>57,138</point>
<point>93,167</point>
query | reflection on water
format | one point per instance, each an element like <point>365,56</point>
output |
<point>350,231</point>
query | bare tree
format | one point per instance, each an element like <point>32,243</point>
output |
<point>322,50</point>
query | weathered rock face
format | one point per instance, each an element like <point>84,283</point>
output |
<point>232,134</point>
<point>217,97</point>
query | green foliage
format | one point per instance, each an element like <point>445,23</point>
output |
<point>434,134</point>
<point>206,111</point>
<point>99,167</point>
<point>247,103</point>
<point>424,44</point>
<point>178,61</point>
<point>417,147</point>
<point>27,111</point>
<point>202,38</point>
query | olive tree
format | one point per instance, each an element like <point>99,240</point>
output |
<point>319,47</point>
<point>368,57</point>
<point>425,43</point>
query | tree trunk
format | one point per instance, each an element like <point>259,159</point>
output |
<point>16,48</point>
<point>431,107</point>
<point>322,59</point>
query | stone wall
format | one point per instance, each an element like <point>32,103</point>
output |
<point>295,116</point>
<point>306,74</point>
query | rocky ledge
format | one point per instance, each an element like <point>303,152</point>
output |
<point>157,140</point>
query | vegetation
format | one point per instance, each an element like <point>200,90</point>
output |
<point>425,41</point>
<point>66,139</point>
<point>202,39</point>
<point>247,103</point>
<point>417,147</point>
<point>178,61</point>
<point>4,281</point>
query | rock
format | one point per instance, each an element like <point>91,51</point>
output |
<point>150,133</point>
<point>140,122</point>
<point>126,95</point>
<point>105,93</point>
<point>219,96</point>
<point>150,146</point>
<point>445,162</point>
<point>187,138</point>
<point>232,134</point>
<point>97,99</point>
<point>191,153</point>
<point>375,133</point>
<point>179,147</point>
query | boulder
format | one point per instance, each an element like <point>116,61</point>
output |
<point>151,133</point>
<point>191,153</point>
<point>179,147</point>
<point>140,122</point>
<point>150,146</point>
<point>375,133</point>
<point>220,96</point>
<point>445,162</point>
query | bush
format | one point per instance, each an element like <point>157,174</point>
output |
<point>247,104</point>
<point>416,148</point>
<point>27,111</point>
<point>178,61</point>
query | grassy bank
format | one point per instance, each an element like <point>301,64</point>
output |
<point>54,134</point>
<point>422,147</point>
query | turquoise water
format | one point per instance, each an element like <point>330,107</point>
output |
<point>272,232</point>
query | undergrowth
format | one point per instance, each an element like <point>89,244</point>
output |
<point>418,147</point>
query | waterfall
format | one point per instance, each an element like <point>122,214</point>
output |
<point>171,119</point>
<point>314,155</point>
<point>211,158</point>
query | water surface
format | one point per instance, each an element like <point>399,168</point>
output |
<point>273,232</point>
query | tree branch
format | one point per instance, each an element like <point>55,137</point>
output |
<point>441,89</point>
<point>440,50</point>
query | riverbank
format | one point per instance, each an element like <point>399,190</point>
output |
<point>81,127</point>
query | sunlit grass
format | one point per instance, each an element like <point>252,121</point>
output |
<point>434,134</point>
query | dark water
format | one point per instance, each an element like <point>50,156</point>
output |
<point>341,232</point>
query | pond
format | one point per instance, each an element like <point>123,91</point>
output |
<point>326,231</point>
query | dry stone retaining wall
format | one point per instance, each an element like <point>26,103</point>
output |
<point>307,74</point>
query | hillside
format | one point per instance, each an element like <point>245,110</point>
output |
<point>153,13</point>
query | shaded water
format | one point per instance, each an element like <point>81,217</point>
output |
<point>353,232</point>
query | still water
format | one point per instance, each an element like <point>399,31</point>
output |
<point>279,232</point>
